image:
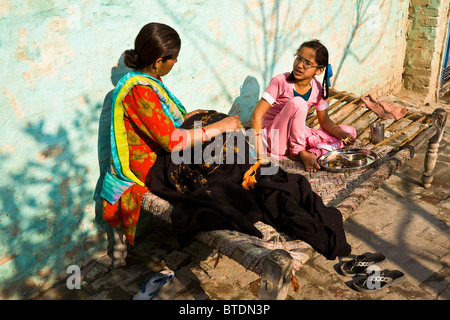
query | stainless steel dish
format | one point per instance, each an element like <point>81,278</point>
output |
<point>351,160</point>
<point>347,160</point>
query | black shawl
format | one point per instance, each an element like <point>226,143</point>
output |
<point>210,196</point>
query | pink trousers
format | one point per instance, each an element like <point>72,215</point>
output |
<point>288,133</point>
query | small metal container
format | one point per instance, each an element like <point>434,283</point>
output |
<point>377,132</point>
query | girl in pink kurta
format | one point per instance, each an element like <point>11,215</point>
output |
<point>282,111</point>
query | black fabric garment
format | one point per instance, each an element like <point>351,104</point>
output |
<point>210,197</point>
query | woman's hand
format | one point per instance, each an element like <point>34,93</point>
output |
<point>231,123</point>
<point>193,113</point>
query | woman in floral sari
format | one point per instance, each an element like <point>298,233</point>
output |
<point>146,117</point>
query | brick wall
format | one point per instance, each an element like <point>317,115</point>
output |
<point>425,36</point>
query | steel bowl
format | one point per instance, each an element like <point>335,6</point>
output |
<point>352,160</point>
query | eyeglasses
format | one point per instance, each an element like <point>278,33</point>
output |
<point>306,63</point>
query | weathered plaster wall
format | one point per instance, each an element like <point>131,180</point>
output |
<point>59,62</point>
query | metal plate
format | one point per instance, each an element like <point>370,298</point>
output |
<point>330,163</point>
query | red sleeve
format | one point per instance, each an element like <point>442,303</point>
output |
<point>145,111</point>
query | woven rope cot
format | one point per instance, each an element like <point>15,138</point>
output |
<point>275,256</point>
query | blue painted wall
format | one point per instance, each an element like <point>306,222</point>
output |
<point>60,59</point>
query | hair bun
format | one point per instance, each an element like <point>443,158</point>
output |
<point>132,59</point>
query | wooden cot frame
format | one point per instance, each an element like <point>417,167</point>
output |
<point>277,265</point>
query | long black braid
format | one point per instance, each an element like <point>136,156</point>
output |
<point>325,84</point>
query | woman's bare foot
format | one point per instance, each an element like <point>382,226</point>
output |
<point>310,161</point>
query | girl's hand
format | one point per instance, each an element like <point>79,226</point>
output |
<point>348,139</point>
<point>345,137</point>
<point>193,113</point>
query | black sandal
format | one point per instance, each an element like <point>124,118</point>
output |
<point>378,280</point>
<point>360,263</point>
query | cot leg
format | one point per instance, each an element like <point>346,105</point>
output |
<point>276,275</point>
<point>440,118</point>
<point>119,249</point>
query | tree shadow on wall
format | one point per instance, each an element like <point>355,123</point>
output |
<point>282,31</point>
<point>47,208</point>
<point>363,16</point>
<point>261,59</point>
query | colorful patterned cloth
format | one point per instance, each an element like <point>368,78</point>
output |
<point>143,116</point>
<point>120,177</point>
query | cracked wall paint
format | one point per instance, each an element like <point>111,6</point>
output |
<point>61,59</point>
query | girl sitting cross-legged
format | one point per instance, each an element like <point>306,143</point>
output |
<point>281,112</point>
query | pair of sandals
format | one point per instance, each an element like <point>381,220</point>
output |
<point>154,284</point>
<point>373,278</point>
